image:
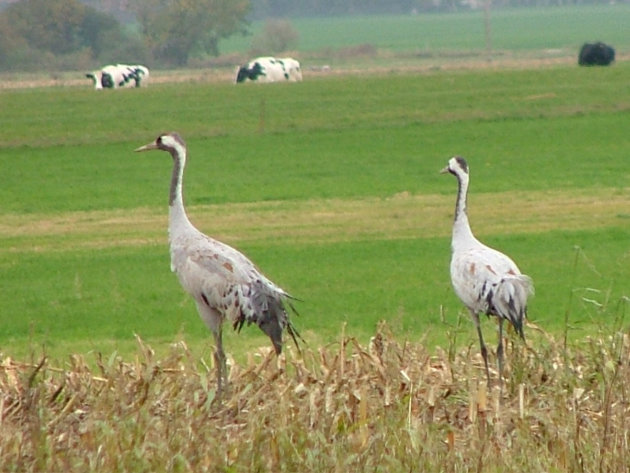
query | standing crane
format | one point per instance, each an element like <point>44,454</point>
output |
<point>224,283</point>
<point>486,280</point>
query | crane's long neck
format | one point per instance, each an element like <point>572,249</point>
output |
<point>178,220</point>
<point>462,234</point>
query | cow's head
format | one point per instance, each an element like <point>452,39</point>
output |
<point>107,81</point>
<point>241,75</point>
<point>95,76</point>
<point>251,73</point>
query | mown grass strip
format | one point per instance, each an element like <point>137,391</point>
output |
<point>402,216</point>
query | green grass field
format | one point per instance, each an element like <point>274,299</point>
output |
<point>513,30</point>
<point>331,186</point>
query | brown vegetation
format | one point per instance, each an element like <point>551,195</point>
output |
<point>390,406</point>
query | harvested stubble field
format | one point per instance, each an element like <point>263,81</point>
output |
<point>388,406</point>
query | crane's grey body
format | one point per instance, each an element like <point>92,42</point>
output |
<point>224,283</point>
<point>486,280</point>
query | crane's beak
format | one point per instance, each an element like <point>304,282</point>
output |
<point>148,147</point>
<point>443,171</point>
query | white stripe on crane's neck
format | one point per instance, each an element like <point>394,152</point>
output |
<point>177,214</point>
<point>462,234</point>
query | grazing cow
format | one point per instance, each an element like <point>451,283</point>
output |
<point>270,69</point>
<point>119,75</point>
<point>596,54</point>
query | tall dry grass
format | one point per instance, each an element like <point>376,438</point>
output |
<point>390,406</point>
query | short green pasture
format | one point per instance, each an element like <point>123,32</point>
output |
<point>331,186</point>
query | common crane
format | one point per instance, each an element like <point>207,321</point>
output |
<point>486,280</point>
<point>224,283</point>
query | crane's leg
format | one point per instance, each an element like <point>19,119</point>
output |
<point>219,361</point>
<point>484,350</point>
<point>500,353</point>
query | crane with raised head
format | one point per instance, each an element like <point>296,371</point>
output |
<point>486,280</point>
<point>224,283</point>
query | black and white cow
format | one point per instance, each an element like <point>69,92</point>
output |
<point>292,66</point>
<point>596,54</point>
<point>119,75</point>
<point>270,69</point>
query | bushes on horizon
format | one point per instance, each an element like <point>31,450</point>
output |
<point>57,34</point>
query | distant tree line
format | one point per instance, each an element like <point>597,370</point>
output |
<point>70,34</point>
<point>307,8</point>
<point>40,34</point>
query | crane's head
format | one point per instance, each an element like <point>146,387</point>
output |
<point>171,142</point>
<point>456,166</point>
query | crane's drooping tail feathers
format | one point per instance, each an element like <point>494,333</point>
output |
<point>274,320</point>
<point>510,300</point>
<point>269,313</point>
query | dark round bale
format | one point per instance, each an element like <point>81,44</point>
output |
<point>596,54</point>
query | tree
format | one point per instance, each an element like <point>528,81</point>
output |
<point>48,25</point>
<point>276,36</point>
<point>40,34</point>
<point>177,29</point>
